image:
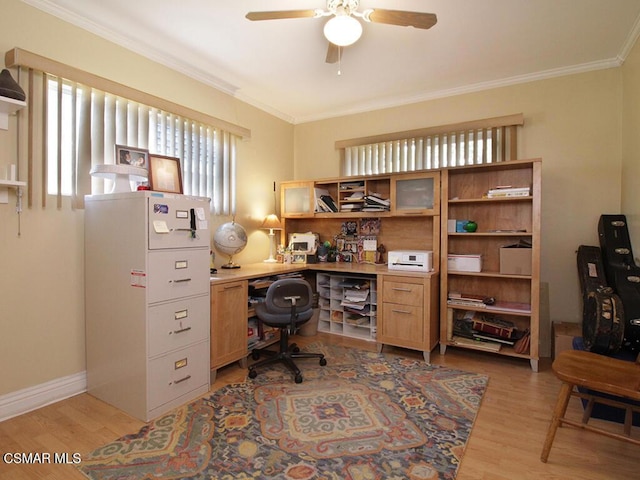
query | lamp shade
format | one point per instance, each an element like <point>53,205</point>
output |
<point>272,222</point>
<point>342,30</point>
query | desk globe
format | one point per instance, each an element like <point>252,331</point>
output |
<point>230,238</point>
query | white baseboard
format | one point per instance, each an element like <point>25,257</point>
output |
<point>31,398</point>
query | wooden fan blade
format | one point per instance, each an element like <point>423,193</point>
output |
<point>279,15</point>
<point>403,19</point>
<point>333,53</point>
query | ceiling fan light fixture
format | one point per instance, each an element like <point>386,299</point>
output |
<point>343,30</point>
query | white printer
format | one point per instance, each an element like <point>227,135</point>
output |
<point>411,260</point>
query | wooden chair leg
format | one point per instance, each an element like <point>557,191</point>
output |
<point>558,414</point>
<point>628,421</point>
<point>587,411</point>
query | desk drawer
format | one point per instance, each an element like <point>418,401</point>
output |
<point>402,323</point>
<point>177,273</point>
<point>178,373</point>
<point>177,324</point>
<point>403,293</point>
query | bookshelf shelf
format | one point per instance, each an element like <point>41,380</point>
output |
<point>501,221</point>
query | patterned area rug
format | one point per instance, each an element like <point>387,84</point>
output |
<point>364,416</point>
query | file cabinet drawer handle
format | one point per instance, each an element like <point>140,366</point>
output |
<point>181,380</point>
<point>182,330</point>
<point>180,280</point>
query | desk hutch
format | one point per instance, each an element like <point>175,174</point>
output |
<point>409,309</point>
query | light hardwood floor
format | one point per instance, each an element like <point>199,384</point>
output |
<point>505,443</point>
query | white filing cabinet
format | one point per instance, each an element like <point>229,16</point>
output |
<point>147,300</point>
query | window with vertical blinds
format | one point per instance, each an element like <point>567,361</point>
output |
<point>471,143</point>
<point>74,120</point>
<point>84,124</point>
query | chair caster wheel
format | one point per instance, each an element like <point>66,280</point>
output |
<point>253,374</point>
<point>323,362</point>
<point>255,355</point>
<point>298,379</point>
<point>294,348</point>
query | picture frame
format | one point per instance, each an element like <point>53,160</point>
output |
<point>165,174</point>
<point>299,258</point>
<point>136,157</point>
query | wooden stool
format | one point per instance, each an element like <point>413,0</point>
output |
<point>597,373</point>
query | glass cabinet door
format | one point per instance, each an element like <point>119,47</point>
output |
<point>414,194</point>
<point>297,199</point>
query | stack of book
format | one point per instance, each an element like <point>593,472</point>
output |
<point>509,191</point>
<point>480,327</point>
<point>375,203</point>
<point>325,203</point>
<point>358,184</point>
<point>358,202</point>
<point>468,300</point>
<point>351,207</point>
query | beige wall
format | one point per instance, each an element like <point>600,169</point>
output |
<point>41,279</point>
<point>573,123</point>
<point>631,146</point>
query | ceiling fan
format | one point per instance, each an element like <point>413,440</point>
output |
<point>343,28</point>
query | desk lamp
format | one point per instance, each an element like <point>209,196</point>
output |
<point>272,222</point>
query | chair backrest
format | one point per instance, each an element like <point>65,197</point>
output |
<point>282,293</point>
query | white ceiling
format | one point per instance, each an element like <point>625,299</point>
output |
<point>279,65</point>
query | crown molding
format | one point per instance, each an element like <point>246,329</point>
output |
<point>378,104</point>
<point>392,102</point>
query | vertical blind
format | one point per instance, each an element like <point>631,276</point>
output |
<point>88,115</point>
<point>478,142</point>
<point>85,124</point>
<point>209,157</point>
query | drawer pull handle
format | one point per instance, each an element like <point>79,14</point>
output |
<point>401,311</point>
<point>181,380</point>
<point>231,287</point>
<point>182,330</point>
<point>398,289</point>
<point>180,280</point>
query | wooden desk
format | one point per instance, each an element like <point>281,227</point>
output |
<point>416,327</point>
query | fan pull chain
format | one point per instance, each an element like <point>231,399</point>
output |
<point>339,60</point>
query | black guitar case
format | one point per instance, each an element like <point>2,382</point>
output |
<point>628,289</point>
<point>615,245</point>
<point>623,275</point>
<point>602,310</point>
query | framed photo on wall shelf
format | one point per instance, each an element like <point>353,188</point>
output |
<point>136,157</point>
<point>165,174</point>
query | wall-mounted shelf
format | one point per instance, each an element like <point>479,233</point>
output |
<point>4,188</point>
<point>9,106</point>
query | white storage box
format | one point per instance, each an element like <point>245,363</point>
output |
<point>464,263</point>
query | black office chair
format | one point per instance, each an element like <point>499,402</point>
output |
<point>288,305</point>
